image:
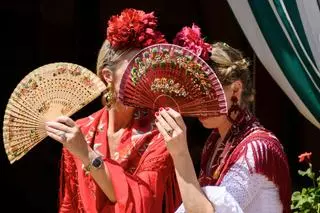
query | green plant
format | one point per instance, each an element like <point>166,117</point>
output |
<point>308,199</point>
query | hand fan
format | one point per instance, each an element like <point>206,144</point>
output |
<point>44,94</point>
<point>167,75</point>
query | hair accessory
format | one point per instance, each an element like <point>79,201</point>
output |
<point>190,38</point>
<point>133,28</point>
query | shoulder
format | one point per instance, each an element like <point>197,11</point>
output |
<point>260,138</point>
<point>259,150</point>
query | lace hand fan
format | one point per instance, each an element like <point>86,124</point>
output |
<point>45,94</point>
<point>166,75</point>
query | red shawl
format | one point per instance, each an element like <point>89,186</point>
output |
<point>141,169</point>
<point>269,159</point>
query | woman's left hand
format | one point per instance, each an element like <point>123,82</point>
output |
<point>173,129</point>
<point>65,131</point>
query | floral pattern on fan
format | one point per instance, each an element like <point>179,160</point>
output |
<point>161,57</point>
<point>167,75</point>
<point>168,86</point>
<point>44,94</point>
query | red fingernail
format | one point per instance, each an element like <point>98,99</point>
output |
<point>167,108</point>
<point>161,109</point>
<point>157,113</point>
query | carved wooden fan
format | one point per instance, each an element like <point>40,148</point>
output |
<point>44,94</point>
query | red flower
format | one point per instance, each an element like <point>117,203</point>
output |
<point>190,38</point>
<point>305,157</point>
<point>133,28</point>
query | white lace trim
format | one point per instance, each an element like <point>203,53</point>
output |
<point>242,191</point>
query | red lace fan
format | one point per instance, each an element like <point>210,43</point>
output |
<point>167,75</point>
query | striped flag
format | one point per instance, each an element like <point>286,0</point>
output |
<point>285,34</point>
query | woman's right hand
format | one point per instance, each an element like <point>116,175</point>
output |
<point>65,131</point>
<point>173,129</point>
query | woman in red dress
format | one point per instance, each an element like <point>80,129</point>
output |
<point>114,160</point>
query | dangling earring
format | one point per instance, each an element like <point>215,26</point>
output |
<point>234,111</point>
<point>109,97</point>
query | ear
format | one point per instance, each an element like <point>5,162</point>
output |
<point>107,75</point>
<point>237,88</point>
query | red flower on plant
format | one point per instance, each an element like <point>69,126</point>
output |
<point>133,28</point>
<point>190,38</point>
<point>305,157</point>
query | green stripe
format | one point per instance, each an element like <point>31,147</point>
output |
<point>292,9</point>
<point>296,44</point>
<point>285,56</point>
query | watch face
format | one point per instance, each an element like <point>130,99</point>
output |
<point>97,162</point>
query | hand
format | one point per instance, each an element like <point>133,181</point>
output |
<point>65,131</point>
<point>173,129</point>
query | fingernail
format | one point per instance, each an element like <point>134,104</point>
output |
<point>157,113</point>
<point>161,109</point>
<point>167,108</point>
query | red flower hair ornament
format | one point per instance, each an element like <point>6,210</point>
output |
<point>190,38</point>
<point>133,28</point>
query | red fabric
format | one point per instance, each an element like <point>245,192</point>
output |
<point>269,158</point>
<point>142,171</point>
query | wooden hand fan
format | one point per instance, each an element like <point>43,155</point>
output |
<point>166,75</point>
<point>44,94</point>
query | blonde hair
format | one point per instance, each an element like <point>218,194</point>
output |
<point>230,65</point>
<point>109,57</point>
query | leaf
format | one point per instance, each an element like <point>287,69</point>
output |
<point>302,173</point>
<point>311,175</point>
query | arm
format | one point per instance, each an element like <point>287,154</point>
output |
<point>69,134</point>
<point>172,127</point>
<point>130,193</point>
<point>193,198</point>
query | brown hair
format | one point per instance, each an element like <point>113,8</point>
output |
<point>230,65</point>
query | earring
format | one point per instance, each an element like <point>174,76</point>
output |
<point>109,97</point>
<point>234,111</point>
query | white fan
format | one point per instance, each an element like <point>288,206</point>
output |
<point>44,94</point>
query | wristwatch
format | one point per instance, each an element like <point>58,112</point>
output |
<point>95,163</point>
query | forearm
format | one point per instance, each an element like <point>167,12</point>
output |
<point>101,176</point>
<point>191,193</point>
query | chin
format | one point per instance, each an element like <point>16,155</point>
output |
<point>210,122</point>
<point>206,124</point>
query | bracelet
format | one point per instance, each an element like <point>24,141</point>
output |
<point>95,163</point>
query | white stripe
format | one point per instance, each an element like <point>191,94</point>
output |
<point>298,38</point>
<point>292,45</point>
<point>310,16</point>
<point>250,27</point>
